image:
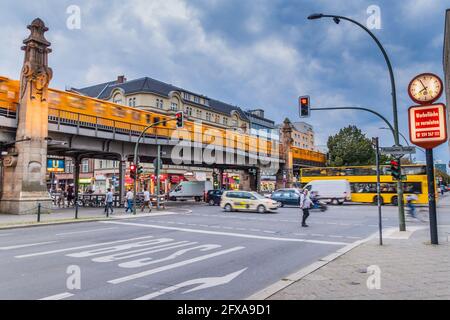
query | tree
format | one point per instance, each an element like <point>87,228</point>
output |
<point>350,147</point>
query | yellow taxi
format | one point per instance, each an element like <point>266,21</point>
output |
<point>247,201</point>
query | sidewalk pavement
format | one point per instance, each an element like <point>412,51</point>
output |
<point>84,214</point>
<point>409,268</point>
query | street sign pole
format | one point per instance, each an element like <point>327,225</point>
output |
<point>377,160</point>
<point>432,197</point>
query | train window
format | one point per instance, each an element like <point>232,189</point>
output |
<point>136,116</point>
<point>155,119</point>
<point>76,102</point>
<point>99,108</point>
<point>119,112</point>
<point>147,118</point>
<point>164,122</point>
<point>54,99</point>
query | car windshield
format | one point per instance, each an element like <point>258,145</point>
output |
<point>257,195</point>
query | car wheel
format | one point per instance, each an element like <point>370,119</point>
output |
<point>228,207</point>
<point>375,200</point>
<point>281,205</point>
<point>334,202</point>
<point>211,202</point>
<point>261,209</point>
<point>394,201</point>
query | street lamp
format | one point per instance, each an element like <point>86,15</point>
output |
<point>338,19</point>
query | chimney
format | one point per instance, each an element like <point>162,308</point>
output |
<point>121,79</point>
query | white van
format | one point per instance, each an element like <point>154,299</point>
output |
<point>335,191</point>
<point>190,190</point>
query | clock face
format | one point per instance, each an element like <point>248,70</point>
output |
<point>425,88</point>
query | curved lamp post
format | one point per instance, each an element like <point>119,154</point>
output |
<point>337,19</point>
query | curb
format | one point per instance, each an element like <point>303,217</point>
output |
<point>81,220</point>
<point>287,281</point>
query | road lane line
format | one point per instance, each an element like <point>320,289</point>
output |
<point>5,234</point>
<point>238,235</point>
<point>25,245</point>
<point>80,247</point>
<point>173,266</point>
<point>58,296</point>
<point>86,231</point>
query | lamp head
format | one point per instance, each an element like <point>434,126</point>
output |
<point>315,16</point>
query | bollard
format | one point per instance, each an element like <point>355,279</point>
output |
<point>39,213</point>
<point>76,209</point>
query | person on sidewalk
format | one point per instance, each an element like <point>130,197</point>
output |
<point>129,198</point>
<point>147,202</point>
<point>409,203</point>
<point>305,205</point>
<point>109,202</point>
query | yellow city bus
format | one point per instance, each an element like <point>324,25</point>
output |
<point>363,182</point>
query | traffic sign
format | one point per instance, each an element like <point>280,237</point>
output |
<point>398,151</point>
<point>428,125</point>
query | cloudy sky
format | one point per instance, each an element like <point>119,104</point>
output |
<point>250,53</point>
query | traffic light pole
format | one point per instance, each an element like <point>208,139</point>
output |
<point>394,130</point>
<point>135,158</point>
<point>432,197</point>
<point>158,179</point>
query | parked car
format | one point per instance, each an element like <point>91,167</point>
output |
<point>286,197</point>
<point>247,201</point>
<point>190,190</point>
<point>213,197</point>
<point>333,191</point>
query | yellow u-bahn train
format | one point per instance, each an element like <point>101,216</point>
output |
<point>78,110</point>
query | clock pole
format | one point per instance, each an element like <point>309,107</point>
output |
<point>337,20</point>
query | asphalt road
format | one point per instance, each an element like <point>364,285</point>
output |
<point>205,254</point>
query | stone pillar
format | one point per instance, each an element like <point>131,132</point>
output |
<point>24,183</point>
<point>122,173</point>
<point>258,179</point>
<point>245,183</point>
<point>285,173</point>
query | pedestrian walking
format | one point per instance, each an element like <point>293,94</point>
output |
<point>61,198</point>
<point>305,205</point>
<point>409,203</point>
<point>147,202</point>
<point>70,196</point>
<point>129,196</point>
<point>109,202</point>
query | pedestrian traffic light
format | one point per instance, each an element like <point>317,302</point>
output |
<point>305,109</point>
<point>133,171</point>
<point>140,170</point>
<point>180,119</point>
<point>395,170</point>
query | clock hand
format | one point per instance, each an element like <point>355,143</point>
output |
<point>422,84</point>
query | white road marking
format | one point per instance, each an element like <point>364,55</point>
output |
<point>25,245</point>
<point>336,236</point>
<point>204,283</point>
<point>173,266</point>
<point>76,248</point>
<point>5,234</point>
<point>58,296</point>
<point>239,235</point>
<point>86,231</point>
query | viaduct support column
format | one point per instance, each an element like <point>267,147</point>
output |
<point>122,173</point>
<point>24,183</point>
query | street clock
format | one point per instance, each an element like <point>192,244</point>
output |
<point>425,88</point>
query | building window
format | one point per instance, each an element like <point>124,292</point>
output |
<point>85,166</point>
<point>206,102</point>
<point>196,99</point>
<point>186,96</point>
<point>174,106</point>
<point>69,166</point>
<point>189,111</point>
<point>159,103</point>
<point>208,116</point>
<point>225,121</point>
<point>117,98</point>
<point>199,114</point>
<point>217,119</point>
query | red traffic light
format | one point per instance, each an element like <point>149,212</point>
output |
<point>394,163</point>
<point>180,119</point>
<point>304,101</point>
<point>133,168</point>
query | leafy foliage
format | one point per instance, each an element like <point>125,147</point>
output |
<point>350,147</point>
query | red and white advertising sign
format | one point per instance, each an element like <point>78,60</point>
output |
<point>428,125</point>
